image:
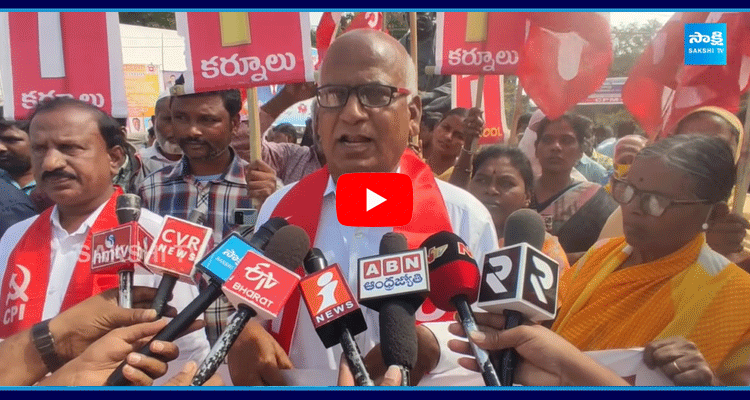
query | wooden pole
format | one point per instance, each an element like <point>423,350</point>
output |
<point>253,119</point>
<point>414,140</point>
<point>516,113</point>
<point>743,168</point>
<point>478,104</point>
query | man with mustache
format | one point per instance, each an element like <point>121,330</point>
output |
<point>45,261</point>
<point>210,177</point>
<point>165,151</point>
<point>367,111</point>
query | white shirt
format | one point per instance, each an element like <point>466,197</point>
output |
<point>344,245</point>
<point>66,249</point>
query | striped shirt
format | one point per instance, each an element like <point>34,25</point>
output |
<point>175,191</point>
<point>292,162</point>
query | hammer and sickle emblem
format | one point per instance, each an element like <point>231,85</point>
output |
<point>19,291</point>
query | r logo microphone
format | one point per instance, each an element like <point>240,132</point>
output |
<point>520,278</point>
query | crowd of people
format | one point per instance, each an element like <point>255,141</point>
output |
<point>647,250</point>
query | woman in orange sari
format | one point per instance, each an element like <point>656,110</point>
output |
<point>502,179</point>
<point>661,287</point>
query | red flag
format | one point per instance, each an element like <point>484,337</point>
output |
<point>714,85</point>
<point>566,57</point>
<point>226,50</point>
<point>650,87</point>
<point>366,20</point>
<point>324,33</point>
<point>493,104</point>
<point>61,54</point>
<point>478,43</point>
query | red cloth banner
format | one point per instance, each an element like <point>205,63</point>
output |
<point>661,89</point>
<point>366,20</point>
<point>79,56</point>
<point>493,104</point>
<point>479,43</point>
<point>227,50</point>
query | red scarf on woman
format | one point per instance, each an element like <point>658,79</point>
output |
<point>23,294</point>
<point>301,206</point>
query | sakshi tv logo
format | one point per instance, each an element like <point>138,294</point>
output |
<point>705,44</point>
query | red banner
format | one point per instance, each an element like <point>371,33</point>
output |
<point>493,104</point>
<point>479,43</point>
<point>226,50</point>
<point>79,56</point>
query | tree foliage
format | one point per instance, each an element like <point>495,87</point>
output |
<point>164,20</point>
<point>628,43</point>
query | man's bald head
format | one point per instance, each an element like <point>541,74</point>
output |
<point>368,47</point>
<point>357,137</point>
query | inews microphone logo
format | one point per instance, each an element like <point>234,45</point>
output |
<point>393,274</point>
<point>262,284</point>
<point>327,295</point>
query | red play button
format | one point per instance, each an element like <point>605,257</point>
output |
<point>374,199</point>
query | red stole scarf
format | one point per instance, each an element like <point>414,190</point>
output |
<point>24,289</point>
<point>301,206</point>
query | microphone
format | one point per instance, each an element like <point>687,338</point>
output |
<point>334,311</point>
<point>395,283</point>
<point>519,280</point>
<point>121,248</point>
<point>259,286</point>
<point>179,245</point>
<point>218,265</point>
<point>454,278</point>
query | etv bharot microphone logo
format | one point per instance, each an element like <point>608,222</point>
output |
<point>705,44</point>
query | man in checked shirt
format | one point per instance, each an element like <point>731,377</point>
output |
<point>211,177</point>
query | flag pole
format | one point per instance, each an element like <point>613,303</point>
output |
<point>743,168</point>
<point>253,120</point>
<point>516,113</point>
<point>414,140</point>
<point>478,104</point>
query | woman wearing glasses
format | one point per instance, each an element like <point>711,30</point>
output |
<point>661,286</point>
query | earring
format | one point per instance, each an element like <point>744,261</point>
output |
<point>705,226</point>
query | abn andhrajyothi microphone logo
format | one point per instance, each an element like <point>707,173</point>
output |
<point>705,44</point>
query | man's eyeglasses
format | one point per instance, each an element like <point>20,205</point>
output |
<point>370,95</point>
<point>653,204</point>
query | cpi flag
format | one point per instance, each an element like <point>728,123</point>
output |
<point>226,50</point>
<point>493,105</point>
<point>479,42</point>
<point>61,54</point>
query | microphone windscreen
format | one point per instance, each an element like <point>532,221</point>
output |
<point>398,337</point>
<point>453,270</point>
<point>260,239</point>
<point>524,226</point>
<point>315,261</point>
<point>127,208</point>
<point>288,247</point>
<point>393,242</point>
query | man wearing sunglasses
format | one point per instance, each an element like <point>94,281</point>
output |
<point>367,110</point>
